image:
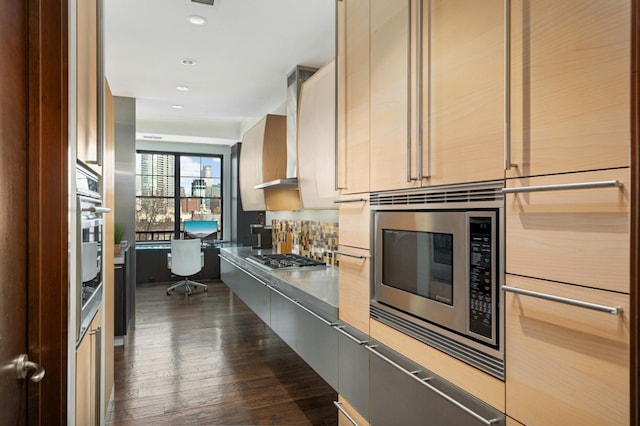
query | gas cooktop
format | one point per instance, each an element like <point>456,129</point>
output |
<point>284,261</point>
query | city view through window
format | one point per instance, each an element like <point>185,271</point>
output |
<point>174,188</point>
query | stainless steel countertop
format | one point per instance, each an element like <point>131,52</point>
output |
<point>316,288</point>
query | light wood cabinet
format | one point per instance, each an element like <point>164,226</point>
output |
<point>570,85</point>
<point>353,96</point>
<point>566,364</point>
<point>353,291</point>
<point>317,140</point>
<point>393,147</point>
<point>264,159</point>
<point>463,90</point>
<point>356,417</point>
<point>87,148</point>
<point>437,92</point>
<point>88,375</point>
<point>354,217</point>
<point>578,236</point>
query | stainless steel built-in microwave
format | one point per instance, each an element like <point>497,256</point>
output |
<point>436,277</point>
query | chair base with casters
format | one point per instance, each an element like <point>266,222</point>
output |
<point>186,261</point>
<point>188,284</point>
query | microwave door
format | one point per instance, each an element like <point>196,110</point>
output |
<point>419,263</point>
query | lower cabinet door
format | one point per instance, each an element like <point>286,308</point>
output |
<point>256,295</point>
<point>353,369</point>
<point>403,393</point>
<point>567,364</point>
<point>250,290</point>
<point>314,339</point>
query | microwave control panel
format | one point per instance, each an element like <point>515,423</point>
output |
<point>481,302</point>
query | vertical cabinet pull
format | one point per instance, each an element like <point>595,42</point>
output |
<point>409,50</point>
<point>340,52</point>
<point>507,84</point>
<point>419,87</point>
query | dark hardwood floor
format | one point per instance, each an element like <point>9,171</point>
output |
<point>208,359</point>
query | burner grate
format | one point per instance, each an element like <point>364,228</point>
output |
<point>280,261</point>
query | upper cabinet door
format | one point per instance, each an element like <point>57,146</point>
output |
<point>251,167</point>
<point>317,140</point>
<point>570,85</point>
<point>353,96</point>
<point>87,149</point>
<point>463,85</point>
<point>393,149</point>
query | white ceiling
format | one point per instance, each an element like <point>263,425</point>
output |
<point>244,53</point>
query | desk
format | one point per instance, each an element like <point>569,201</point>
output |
<point>123,292</point>
<point>151,263</point>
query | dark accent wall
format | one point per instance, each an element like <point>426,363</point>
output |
<point>125,179</point>
<point>240,219</point>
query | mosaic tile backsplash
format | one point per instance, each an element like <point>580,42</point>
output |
<point>313,239</point>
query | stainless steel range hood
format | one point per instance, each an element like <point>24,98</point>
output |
<point>295,78</point>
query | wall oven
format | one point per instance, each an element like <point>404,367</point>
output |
<point>437,269</point>
<point>89,247</point>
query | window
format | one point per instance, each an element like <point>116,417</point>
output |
<point>173,188</point>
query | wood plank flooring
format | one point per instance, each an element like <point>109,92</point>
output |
<point>208,359</point>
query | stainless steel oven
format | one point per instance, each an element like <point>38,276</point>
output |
<point>89,247</point>
<point>437,269</point>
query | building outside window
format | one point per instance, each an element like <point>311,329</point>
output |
<point>172,188</point>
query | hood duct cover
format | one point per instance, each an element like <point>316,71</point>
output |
<point>295,78</point>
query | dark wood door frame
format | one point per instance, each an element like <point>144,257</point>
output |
<point>48,201</point>
<point>635,212</point>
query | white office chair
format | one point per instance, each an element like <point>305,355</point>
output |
<point>185,262</point>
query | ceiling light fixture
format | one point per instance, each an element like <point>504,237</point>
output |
<point>197,20</point>
<point>187,61</point>
<point>182,88</point>
<point>176,106</point>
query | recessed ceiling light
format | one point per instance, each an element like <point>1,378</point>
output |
<point>176,106</point>
<point>187,61</point>
<point>197,20</point>
<point>182,88</point>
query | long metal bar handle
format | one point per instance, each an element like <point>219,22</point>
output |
<point>338,64</point>
<point>339,406</point>
<point>245,271</point>
<point>565,186</point>
<point>613,310</point>
<point>409,177</point>
<point>458,404</point>
<point>346,253</point>
<point>429,87</point>
<point>94,209</point>
<point>97,333</point>
<point>419,86</point>
<point>349,200</point>
<point>507,84</point>
<point>349,336</point>
<point>304,308</point>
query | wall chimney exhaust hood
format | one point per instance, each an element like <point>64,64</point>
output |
<point>295,78</point>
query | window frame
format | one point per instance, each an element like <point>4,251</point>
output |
<point>177,219</point>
